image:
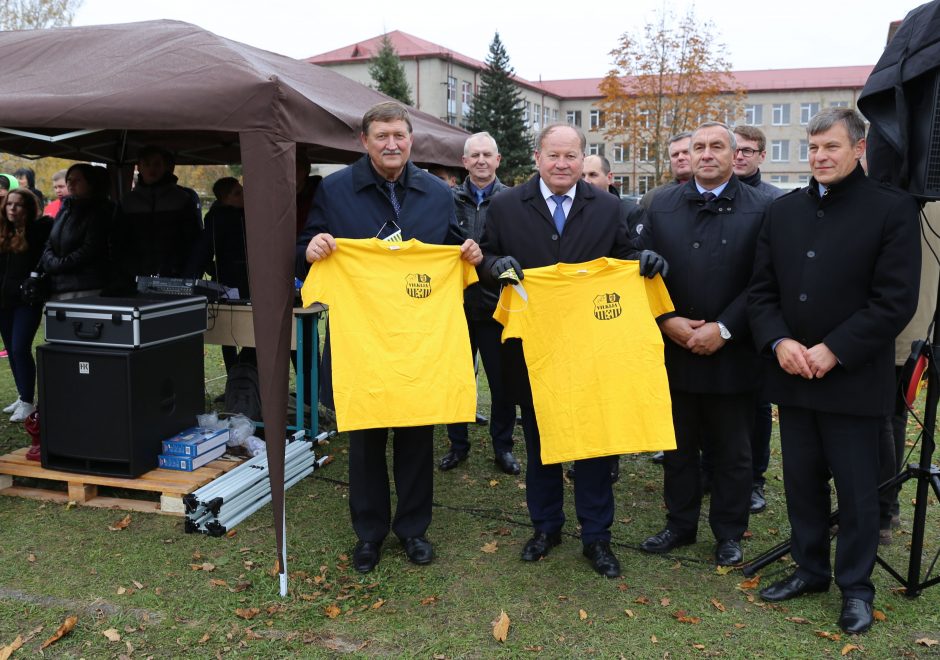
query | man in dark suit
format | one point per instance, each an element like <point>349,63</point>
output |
<point>707,229</point>
<point>359,202</point>
<point>835,280</point>
<point>556,217</point>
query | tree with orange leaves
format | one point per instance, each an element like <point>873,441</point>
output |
<point>669,80</point>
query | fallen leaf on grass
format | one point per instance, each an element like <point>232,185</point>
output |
<point>629,613</point>
<point>112,634</point>
<point>63,630</point>
<point>332,611</point>
<point>879,615</point>
<point>218,583</point>
<point>247,613</point>
<point>205,566</point>
<point>490,547</point>
<point>723,570</point>
<point>797,619</point>
<point>623,586</point>
<point>120,524</point>
<point>71,505</point>
<point>377,604</point>
<point>501,627</point>
<point>241,586</point>
<point>664,602</point>
<point>835,637</point>
<point>31,558</point>
<point>582,615</point>
<point>653,639</point>
<point>717,604</point>
<point>532,648</point>
<point>493,482</point>
<point>230,533</point>
<point>8,650</point>
<point>683,617</point>
<point>428,600</point>
<point>205,638</point>
<point>699,647</point>
<point>848,648</point>
<point>137,584</point>
<point>121,591</point>
<point>750,584</point>
<point>740,625</point>
<point>642,600</point>
<point>924,641</point>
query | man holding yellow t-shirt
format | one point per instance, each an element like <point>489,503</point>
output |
<point>380,194</point>
<point>556,217</point>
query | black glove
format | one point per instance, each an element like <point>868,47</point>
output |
<point>504,264</point>
<point>652,263</point>
<point>34,290</point>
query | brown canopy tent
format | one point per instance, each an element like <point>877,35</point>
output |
<point>99,93</point>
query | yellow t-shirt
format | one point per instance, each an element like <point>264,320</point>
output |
<point>398,334</point>
<point>595,357</point>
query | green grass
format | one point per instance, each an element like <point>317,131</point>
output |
<point>57,561</point>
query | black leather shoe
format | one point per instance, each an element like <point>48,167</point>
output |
<point>791,587</point>
<point>728,553</point>
<point>452,459</point>
<point>539,545</point>
<point>856,616</point>
<point>366,556</point>
<point>602,558</point>
<point>658,458</point>
<point>507,463</point>
<point>482,420</point>
<point>758,502</point>
<point>666,541</point>
<point>418,549</point>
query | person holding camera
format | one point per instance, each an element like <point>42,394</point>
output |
<point>23,234</point>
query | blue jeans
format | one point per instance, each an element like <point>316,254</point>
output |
<point>18,326</point>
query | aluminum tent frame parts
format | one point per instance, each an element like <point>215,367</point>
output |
<point>99,93</point>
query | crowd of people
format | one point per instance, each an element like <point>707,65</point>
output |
<point>789,299</point>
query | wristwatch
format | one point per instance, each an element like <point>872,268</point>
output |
<point>723,331</point>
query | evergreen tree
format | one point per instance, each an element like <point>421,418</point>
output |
<point>497,109</point>
<point>388,73</point>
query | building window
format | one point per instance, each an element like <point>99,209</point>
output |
<point>780,178</point>
<point>781,114</point>
<point>554,114</point>
<point>622,184</point>
<point>573,117</point>
<point>647,152</point>
<point>536,115</point>
<point>596,122</point>
<point>617,153</point>
<point>807,112</point>
<point>451,95</point>
<point>466,97</point>
<point>644,184</point>
<point>526,109</point>
<point>546,116</point>
<point>596,149</point>
<point>803,179</point>
<point>754,115</point>
<point>839,104</point>
<point>804,151</point>
<point>780,151</point>
<point>643,119</point>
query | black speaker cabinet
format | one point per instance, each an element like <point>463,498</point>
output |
<point>106,410</point>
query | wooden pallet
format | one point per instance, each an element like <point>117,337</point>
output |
<point>83,488</point>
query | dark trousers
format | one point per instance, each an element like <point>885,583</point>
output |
<point>369,496</point>
<point>721,426</point>
<point>760,441</point>
<point>485,337</point>
<point>815,446</point>
<point>593,492</point>
<point>891,455</point>
<point>18,326</point>
<point>231,355</point>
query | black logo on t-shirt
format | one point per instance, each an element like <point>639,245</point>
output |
<point>418,285</point>
<point>607,306</point>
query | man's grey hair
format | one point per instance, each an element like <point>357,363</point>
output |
<point>709,124</point>
<point>60,175</point>
<point>551,128</point>
<point>605,164</point>
<point>680,136</point>
<point>823,120</point>
<point>476,136</point>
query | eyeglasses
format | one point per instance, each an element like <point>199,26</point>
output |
<point>747,152</point>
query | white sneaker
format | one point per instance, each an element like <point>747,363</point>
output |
<point>22,412</point>
<point>13,406</point>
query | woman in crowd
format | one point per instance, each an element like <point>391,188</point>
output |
<point>76,258</point>
<point>23,234</point>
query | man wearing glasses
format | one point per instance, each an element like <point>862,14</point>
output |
<point>749,156</point>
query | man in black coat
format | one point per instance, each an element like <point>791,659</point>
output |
<point>706,229</point>
<point>835,280</point>
<point>556,217</point>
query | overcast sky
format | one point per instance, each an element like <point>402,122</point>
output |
<point>548,39</point>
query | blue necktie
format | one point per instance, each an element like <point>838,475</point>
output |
<point>479,195</point>
<point>558,215</point>
<point>708,195</point>
<point>394,198</point>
